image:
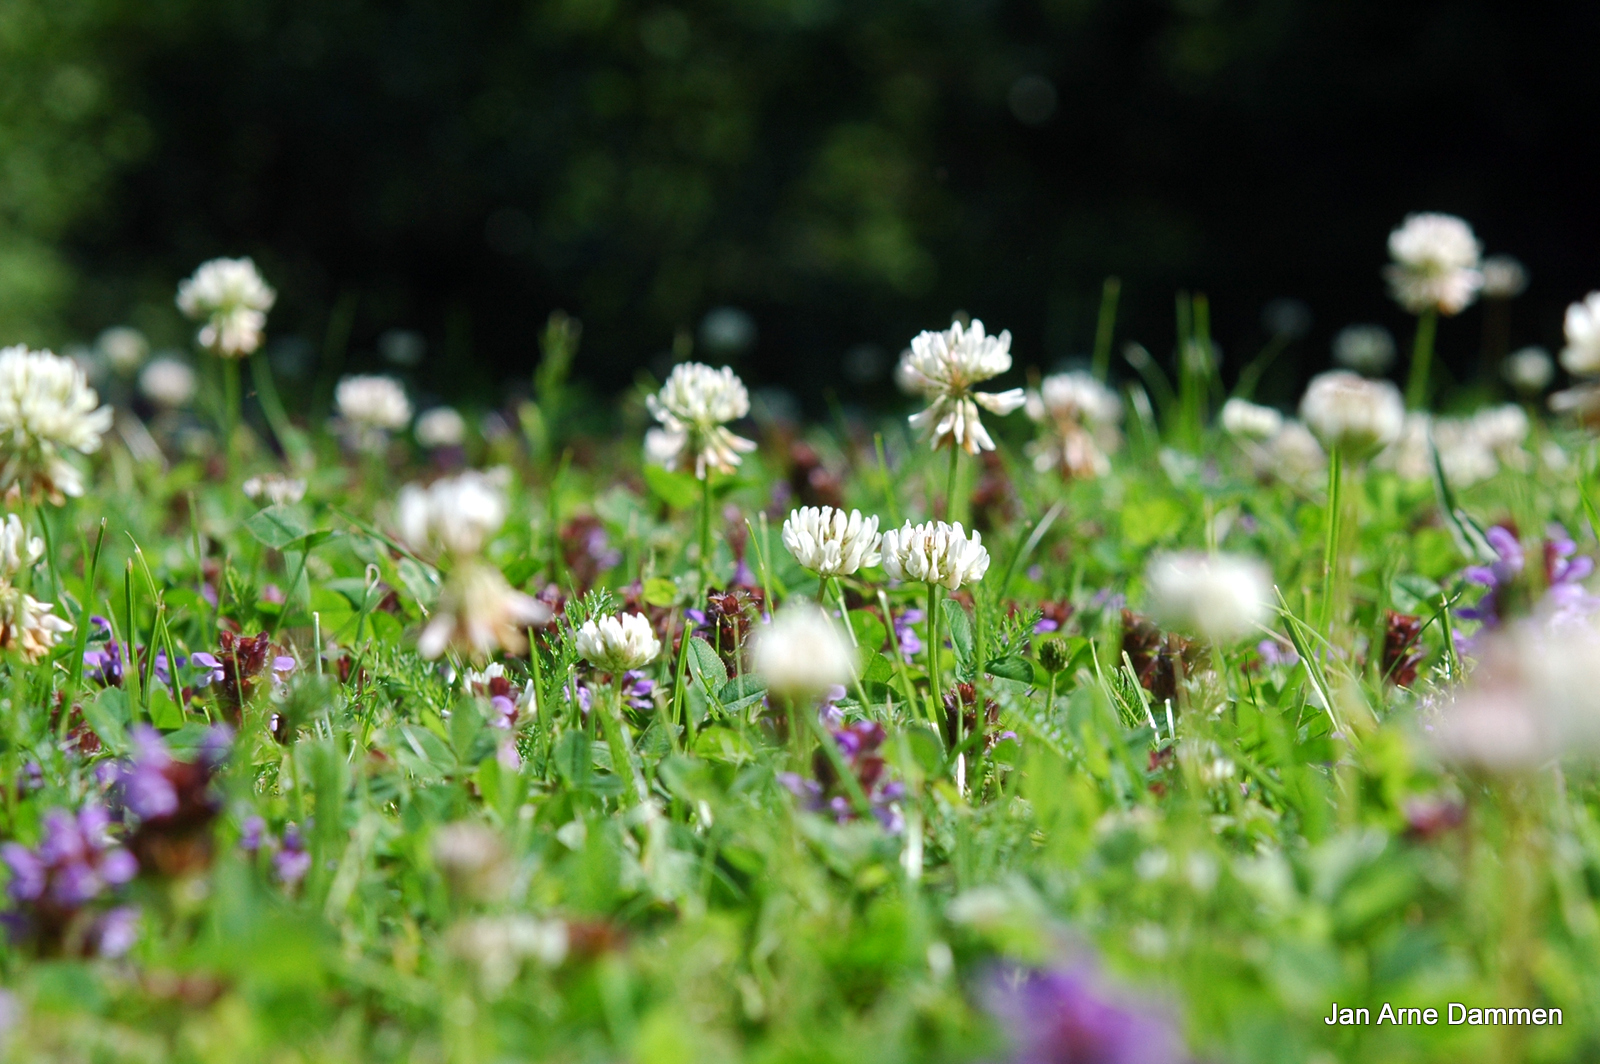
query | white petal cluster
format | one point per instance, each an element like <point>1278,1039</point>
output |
<point>830,542</point>
<point>1534,696</point>
<point>942,367</point>
<point>1529,369</point>
<point>1504,277</point>
<point>478,613</point>
<point>27,626</point>
<point>1080,417</point>
<point>1435,264</point>
<point>1367,349</point>
<point>443,426</point>
<point>46,409</point>
<point>1470,449</point>
<point>275,488</point>
<point>618,642</point>
<point>372,401</point>
<point>1581,356</point>
<point>124,348</point>
<point>803,651</point>
<point>231,299</point>
<point>1223,597</point>
<point>693,408</point>
<point>1348,411</point>
<point>459,514</point>
<point>1250,421</point>
<point>1293,456</point>
<point>167,382</point>
<point>935,553</point>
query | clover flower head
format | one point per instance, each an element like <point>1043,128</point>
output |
<point>442,426</point>
<point>478,613</point>
<point>18,550</point>
<point>28,626</point>
<point>168,382</point>
<point>1435,264</point>
<point>1348,411</point>
<point>802,651</point>
<point>942,367</point>
<point>618,642</point>
<point>693,408</point>
<point>1250,421</point>
<point>231,299</point>
<point>275,489</point>
<point>47,409</point>
<point>1080,417</point>
<point>1581,356</point>
<point>935,553</point>
<point>372,405</point>
<point>1222,597</point>
<point>1366,349</point>
<point>124,348</point>
<point>1504,277</point>
<point>830,542</point>
<point>459,514</point>
<point>1529,370</point>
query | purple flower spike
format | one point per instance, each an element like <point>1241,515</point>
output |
<point>250,834</point>
<point>1068,1015</point>
<point>27,872</point>
<point>293,861</point>
<point>213,668</point>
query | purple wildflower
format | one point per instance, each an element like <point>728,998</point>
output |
<point>905,635</point>
<point>105,664</point>
<point>172,800</point>
<point>858,744</point>
<point>638,690</point>
<point>1068,1015</point>
<point>75,863</point>
<point>251,833</point>
<point>115,932</point>
<point>1498,577</point>
<point>1274,652</point>
<point>293,861</point>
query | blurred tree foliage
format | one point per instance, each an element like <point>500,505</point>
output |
<point>845,172</point>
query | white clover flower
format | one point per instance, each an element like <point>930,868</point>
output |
<point>372,402</point>
<point>124,348</point>
<point>473,859</point>
<point>1529,370</point>
<point>18,550</point>
<point>802,652</point>
<point>1435,264</point>
<point>1581,356</point>
<point>1080,416</point>
<point>167,382</point>
<point>498,946</point>
<point>231,298</point>
<point>1470,449</point>
<point>459,513</point>
<point>1503,277</point>
<point>1291,455</point>
<point>693,407</point>
<point>275,488</point>
<point>27,625</point>
<point>1367,349</point>
<point>618,642</point>
<point>830,542</point>
<point>46,409</point>
<point>443,426</point>
<point>1250,421</point>
<point>1223,597</point>
<point>1349,411</point>
<point>479,613</point>
<point>935,553</point>
<point>943,367</point>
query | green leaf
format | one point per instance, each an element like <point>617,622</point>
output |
<point>1011,668</point>
<point>678,490</point>
<point>659,591</point>
<point>574,760</point>
<point>741,692</point>
<point>706,666</point>
<point>870,632</point>
<point>107,714</point>
<point>959,627</point>
<point>164,712</point>
<point>518,571</point>
<point>279,526</point>
<point>1148,519</point>
<point>878,670</point>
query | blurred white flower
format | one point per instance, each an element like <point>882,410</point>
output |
<point>473,859</point>
<point>18,550</point>
<point>498,946</point>
<point>1470,449</point>
<point>618,642</point>
<point>28,626</point>
<point>1348,411</point>
<point>478,613</point>
<point>232,300</point>
<point>935,553</point>
<point>693,407</point>
<point>942,368</point>
<point>275,488</point>
<point>1529,370</point>
<point>370,402</point>
<point>1223,597</point>
<point>1251,421</point>
<point>1291,455</point>
<point>802,652</point>
<point>830,542</point>
<point>46,409</point>
<point>1080,416</point>
<point>167,382</point>
<point>1581,356</point>
<point>459,513</point>
<point>1435,264</point>
<point>1367,349</point>
<point>443,426</point>
<point>1503,277</point>
<point>124,348</point>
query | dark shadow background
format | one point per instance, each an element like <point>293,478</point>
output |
<point>844,172</point>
